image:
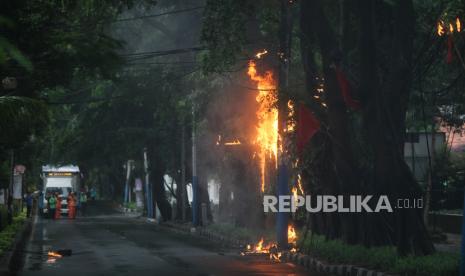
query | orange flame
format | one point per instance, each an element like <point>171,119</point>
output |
<point>451,28</point>
<point>54,254</point>
<point>259,246</point>
<point>299,184</point>
<point>294,195</point>
<point>441,28</point>
<point>290,123</point>
<point>294,191</point>
<point>291,235</point>
<point>233,143</point>
<point>271,248</point>
<point>458,25</point>
<point>267,115</point>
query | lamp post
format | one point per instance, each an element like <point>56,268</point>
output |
<point>148,189</point>
<point>129,166</point>
<point>195,197</point>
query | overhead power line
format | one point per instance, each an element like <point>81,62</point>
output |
<point>111,98</point>
<point>109,21</point>
<point>150,54</point>
<point>158,14</point>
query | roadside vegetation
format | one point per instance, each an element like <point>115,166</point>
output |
<point>381,258</point>
<point>99,83</point>
<point>8,234</point>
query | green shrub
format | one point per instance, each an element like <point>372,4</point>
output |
<point>131,205</point>
<point>8,234</point>
<point>382,258</point>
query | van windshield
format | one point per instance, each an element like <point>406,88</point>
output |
<point>63,191</point>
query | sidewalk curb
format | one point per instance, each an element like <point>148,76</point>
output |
<point>20,239</point>
<point>306,261</point>
<point>209,235</point>
<point>332,269</point>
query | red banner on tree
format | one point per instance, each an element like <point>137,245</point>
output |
<point>344,85</point>
<point>307,126</point>
<point>450,46</point>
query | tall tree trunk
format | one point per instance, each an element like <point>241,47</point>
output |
<point>385,104</point>
<point>158,169</point>
<point>429,184</point>
<point>345,181</point>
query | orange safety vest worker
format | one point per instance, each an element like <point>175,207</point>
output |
<point>71,207</point>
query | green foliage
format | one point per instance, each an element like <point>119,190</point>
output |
<point>130,205</point>
<point>9,51</point>
<point>224,32</point>
<point>21,117</point>
<point>381,258</point>
<point>8,234</point>
<point>448,179</point>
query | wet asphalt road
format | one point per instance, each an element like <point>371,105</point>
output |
<point>114,244</point>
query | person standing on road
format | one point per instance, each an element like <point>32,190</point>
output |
<point>93,193</point>
<point>58,207</point>
<point>29,201</point>
<point>71,206</point>
<point>52,204</point>
<point>83,202</point>
<point>40,203</point>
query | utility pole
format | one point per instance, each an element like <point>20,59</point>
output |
<point>183,171</point>
<point>12,172</point>
<point>195,196</point>
<point>10,190</point>
<point>148,190</point>
<point>126,187</point>
<point>462,247</point>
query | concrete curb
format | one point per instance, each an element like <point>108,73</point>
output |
<point>310,262</point>
<point>210,235</point>
<point>129,212</point>
<point>20,238</point>
<point>306,261</point>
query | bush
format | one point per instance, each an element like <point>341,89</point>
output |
<point>382,258</point>
<point>8,234</point>
<point>131,205</point>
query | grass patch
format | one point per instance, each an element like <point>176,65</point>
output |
<point>8,234</point>
<point>131,205</point>
<point>382,258</point>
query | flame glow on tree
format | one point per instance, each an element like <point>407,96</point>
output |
<point>267,118</point>
<point>451,27</point>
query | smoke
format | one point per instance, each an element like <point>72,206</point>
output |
<point>228,175</point>
<point>226,146</point>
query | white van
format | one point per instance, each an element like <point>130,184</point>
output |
<point>62,180</point>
